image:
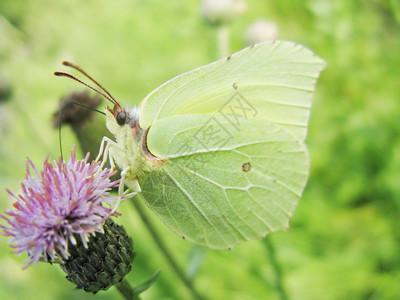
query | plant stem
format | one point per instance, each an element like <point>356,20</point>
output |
<point>223,44</point>
<point>138,205</point>
<point>277,268</point>
<point>126,290</point>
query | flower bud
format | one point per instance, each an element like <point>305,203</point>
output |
<point>261,31</point>
<point>105,262</point>
<point>77,110</point>
<point>222,11</point>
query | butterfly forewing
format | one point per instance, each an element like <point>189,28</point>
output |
<point>272,81</point>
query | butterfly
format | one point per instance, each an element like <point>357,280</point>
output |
<point>218,153</point>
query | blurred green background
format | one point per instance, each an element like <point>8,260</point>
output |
<point>344,239</point>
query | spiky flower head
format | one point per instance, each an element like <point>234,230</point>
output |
<point>65,200</point>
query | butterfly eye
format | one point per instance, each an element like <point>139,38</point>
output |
<point>121,118</point>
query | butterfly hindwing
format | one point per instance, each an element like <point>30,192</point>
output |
<point>220,186</point>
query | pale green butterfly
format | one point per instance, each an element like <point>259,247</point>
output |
<point>218,153</point>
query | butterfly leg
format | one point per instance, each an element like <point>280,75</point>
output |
<point>105,152</point>
<point>125,194</point>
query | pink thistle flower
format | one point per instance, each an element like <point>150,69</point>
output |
<point>66,200</point>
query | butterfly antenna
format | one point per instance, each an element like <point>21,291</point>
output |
<point>63,74</point>
<point>76,67</point>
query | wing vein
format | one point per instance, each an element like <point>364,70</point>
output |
<point>189,197</point>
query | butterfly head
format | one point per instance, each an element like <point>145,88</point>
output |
<point>116,116</point>
<point>125,116</point>
<point>118,120</point>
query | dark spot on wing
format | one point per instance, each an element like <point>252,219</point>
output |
<point>246,167</point>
